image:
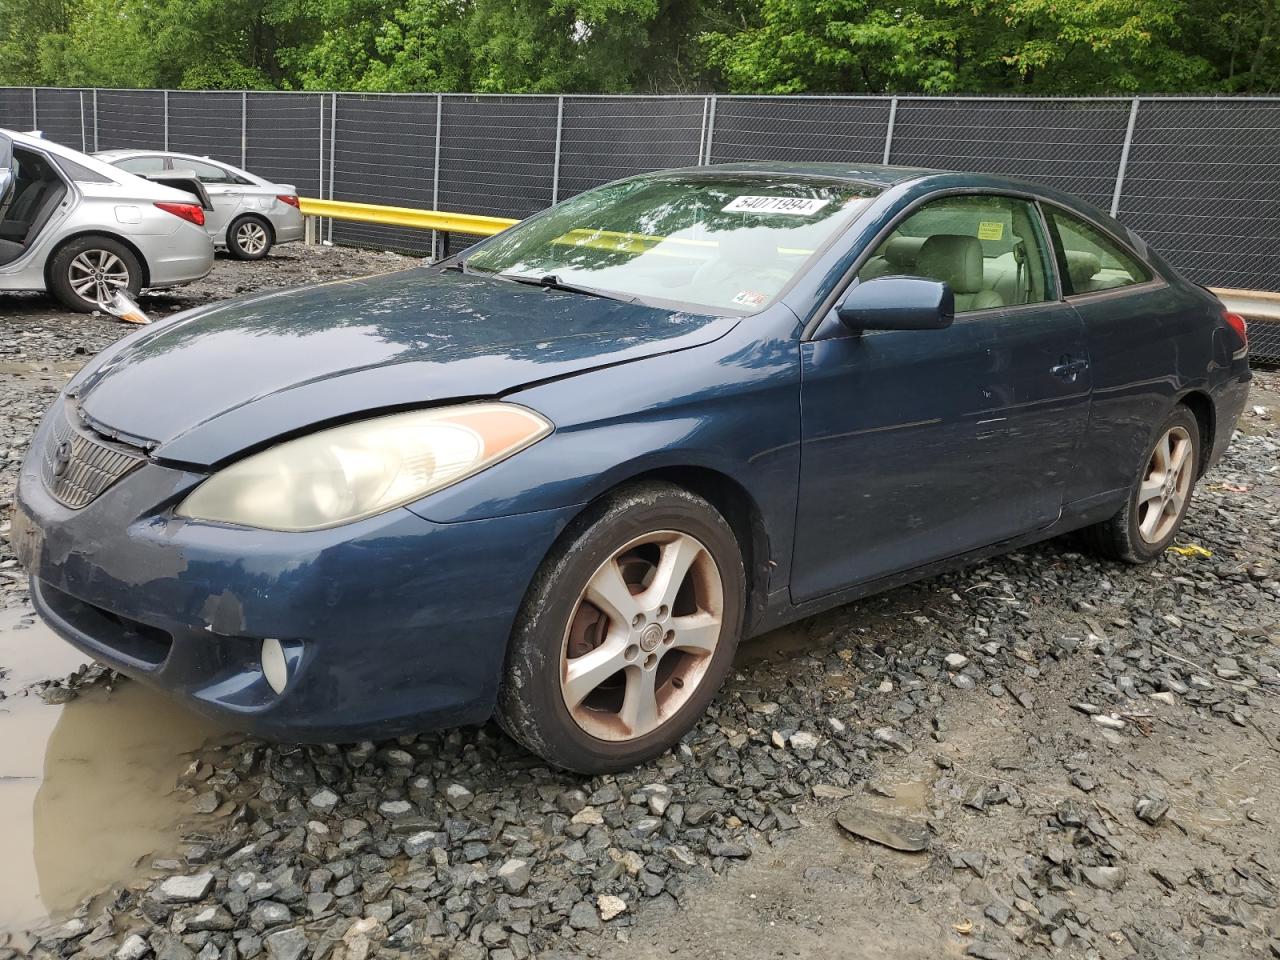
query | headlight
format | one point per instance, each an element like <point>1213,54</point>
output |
<point>359,469</point>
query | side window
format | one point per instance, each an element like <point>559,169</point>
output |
<point>988,248</point>
<point>142,165</point>
<point>1089,259</point>
<point>80,173</point>
<point>206,172</point>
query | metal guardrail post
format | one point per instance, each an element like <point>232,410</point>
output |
<point>95,119</point>
<point>244,128</point>
<point>711,127</point>
<point>84,142</point>
<point>555,165</point>
<point>166,119</point>
<point>1124,157</point>
<point>888,133</point>
<point>435,183</point>
<point>35,123</point>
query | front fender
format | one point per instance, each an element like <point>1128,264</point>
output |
<point>732,408</point>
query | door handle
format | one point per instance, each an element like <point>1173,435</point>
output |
<point>1069,369</point>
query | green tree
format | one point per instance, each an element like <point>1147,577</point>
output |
<point>570,46</point>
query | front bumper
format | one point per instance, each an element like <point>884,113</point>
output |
<point>390,625</point>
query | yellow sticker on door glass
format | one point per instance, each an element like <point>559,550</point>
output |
<point>989,230</point>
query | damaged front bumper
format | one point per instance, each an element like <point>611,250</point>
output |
<point>389,625</point>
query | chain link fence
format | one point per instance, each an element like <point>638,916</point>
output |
<point>1198,177</point>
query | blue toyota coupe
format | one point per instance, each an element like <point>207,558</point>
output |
<point>559,477</point>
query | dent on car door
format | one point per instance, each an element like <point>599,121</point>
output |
<point>923,444</point>
<point>1141,331</point>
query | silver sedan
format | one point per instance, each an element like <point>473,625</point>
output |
<point>82,229</point>
<point>248,215</point>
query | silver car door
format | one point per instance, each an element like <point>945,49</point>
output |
<point>8,174</point>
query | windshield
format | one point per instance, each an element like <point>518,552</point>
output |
<point>709,242</point>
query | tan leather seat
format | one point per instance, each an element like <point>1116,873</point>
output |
<point>956,259</point>
<point>897,257</point>
<point>1082,267</point>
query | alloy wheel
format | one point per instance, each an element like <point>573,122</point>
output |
<point>641,636</point>
<point>1165,485</point>
<point>96,274</point>
<point>251,237</point>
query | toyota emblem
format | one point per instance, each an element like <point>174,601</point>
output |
<point>61,457</point>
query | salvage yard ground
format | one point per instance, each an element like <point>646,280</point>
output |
<point>1092,751</point>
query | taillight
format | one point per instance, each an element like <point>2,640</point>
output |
<point>288,198</point>
<point>1238,324</point>
<point>191,212</point>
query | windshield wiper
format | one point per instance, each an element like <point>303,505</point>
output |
<point>551,282</point>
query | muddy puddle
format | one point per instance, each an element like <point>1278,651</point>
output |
<point>86,787</point>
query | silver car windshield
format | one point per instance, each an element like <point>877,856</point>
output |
<point>710,242</point>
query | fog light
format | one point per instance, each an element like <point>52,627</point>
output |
<point>274,667</point>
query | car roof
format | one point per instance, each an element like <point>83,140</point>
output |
<point>879,174</point>
<point>38,142</point>
<point>121,153</point>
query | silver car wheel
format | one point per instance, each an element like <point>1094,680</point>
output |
<point>642,636</point>
<point>251,237</point>
<point>96,274</point>
<point>1165,485</point>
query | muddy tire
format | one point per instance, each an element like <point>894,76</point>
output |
<point>249,238</point>
<point>89,267</point>
<point>1158,496</point>
<point>627,631</point>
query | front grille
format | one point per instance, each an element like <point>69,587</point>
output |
<point>77,465</point>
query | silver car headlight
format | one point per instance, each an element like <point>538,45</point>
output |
<point>359,469</point>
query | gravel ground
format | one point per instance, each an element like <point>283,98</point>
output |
<point>1072,758</point>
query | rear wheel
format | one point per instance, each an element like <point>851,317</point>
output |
<point>91,269</point>
<point>627,631</point>
<point>1159,496</point>
<point>249,238</point>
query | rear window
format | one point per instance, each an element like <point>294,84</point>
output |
<point>1089,259</point>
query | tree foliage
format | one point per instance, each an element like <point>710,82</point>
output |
<point>540,46</point>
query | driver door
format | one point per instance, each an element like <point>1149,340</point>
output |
<point>918,445</point>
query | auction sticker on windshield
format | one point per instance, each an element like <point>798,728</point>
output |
<point>794,206</point>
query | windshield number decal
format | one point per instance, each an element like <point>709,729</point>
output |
<point>791,206</point>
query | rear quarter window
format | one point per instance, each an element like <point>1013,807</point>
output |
<point>1090,259</point>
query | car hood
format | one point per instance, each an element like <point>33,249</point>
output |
<point>209,384</point>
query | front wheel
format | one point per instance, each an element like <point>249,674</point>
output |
<point>249,238</point>
<point>627,631</point>
<point>1159,497</point>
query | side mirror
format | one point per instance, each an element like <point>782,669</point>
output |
<point>121,306</point>
<point>898,303</point>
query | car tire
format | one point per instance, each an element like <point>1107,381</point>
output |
<point>249,238</point>
<point>92,264</point>
<point>1158,497</point>
<point>671,658</point>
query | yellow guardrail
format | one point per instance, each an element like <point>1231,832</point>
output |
<point>405,217</point>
